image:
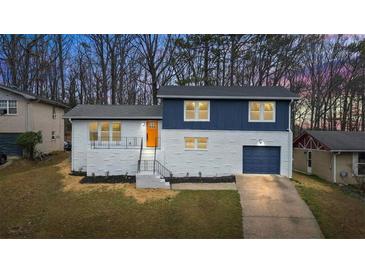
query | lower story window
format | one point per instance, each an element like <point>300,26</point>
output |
<point>105,131</point>
<point>93,131</point>
<point>196,143</point>
<point>53,135</point>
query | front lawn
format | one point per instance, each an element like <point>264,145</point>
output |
<point>339,214</point>
<point>41,200</point>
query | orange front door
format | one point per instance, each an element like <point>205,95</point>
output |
<point>152,133</point>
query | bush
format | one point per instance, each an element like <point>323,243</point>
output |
<point>28,140</point>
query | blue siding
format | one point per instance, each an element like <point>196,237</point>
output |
<point>8,144</point>
<point>224,115</point>
<point>261,160</point>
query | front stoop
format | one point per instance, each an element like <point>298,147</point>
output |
<point>150,180</point>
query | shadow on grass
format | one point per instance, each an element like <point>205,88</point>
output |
<point>42,202</point>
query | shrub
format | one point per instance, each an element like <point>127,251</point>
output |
<point>28,140</point>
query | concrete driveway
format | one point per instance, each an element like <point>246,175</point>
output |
<point>273,209</point>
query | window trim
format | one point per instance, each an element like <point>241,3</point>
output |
<point>195,144</point>
<point>358,164</point>
<point>97,131</point>
<point>110,130</point>
<point>196,111</point>
<point>262,111</point>
<point>7,108</point>
<point>53,135</point>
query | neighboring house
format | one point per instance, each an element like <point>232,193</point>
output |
<point>336,156</point>
<point>196,131</point>
<point>21,112</point>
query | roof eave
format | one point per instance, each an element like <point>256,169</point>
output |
<point>112,118</point>
<point>229,97</point>
<point>347,150</point>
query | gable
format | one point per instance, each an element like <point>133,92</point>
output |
<point>306,141</point>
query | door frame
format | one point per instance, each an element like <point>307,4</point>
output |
<point>150,143</point>
<point>309,159</point>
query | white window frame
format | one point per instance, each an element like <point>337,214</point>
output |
<point>196,144</point>
<point>7,107</point>
<point>111,130</point>
<point>261,120</point>
<point>358,164</point>
<point>196,119</point>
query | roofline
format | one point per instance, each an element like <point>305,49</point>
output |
<point>34,98</point>
<point>229,97</point>
<point>112,118</point>
<point>25,95</point>
<point>349,150</point>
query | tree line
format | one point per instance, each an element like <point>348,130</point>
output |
<point>327,71</point>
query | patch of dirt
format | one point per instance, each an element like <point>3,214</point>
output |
<point>72,183</point>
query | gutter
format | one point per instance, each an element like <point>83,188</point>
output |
<point>229,97</point>
<point>111,118</point>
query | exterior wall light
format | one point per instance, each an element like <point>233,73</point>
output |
<point>260,142</point>
<point>143,124</point>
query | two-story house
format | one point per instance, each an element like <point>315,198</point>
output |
<point>21,112</point>
<point>196,131</point>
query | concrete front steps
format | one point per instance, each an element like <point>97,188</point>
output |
<point>147,179</point>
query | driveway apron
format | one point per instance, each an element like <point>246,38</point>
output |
<point>273,209</point>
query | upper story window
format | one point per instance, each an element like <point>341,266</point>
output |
<point>8,107</point>
<point>196,110</point>
<point>261,111</point>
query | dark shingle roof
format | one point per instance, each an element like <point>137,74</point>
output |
<point>263,92</point>
<point>340,140</point>
<point>115,112</point>
<point>33,97</point>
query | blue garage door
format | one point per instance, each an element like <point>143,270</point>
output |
<point>261,160</point>
<point>8,144</point>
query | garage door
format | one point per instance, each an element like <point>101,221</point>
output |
<point>8,144</point>
<point>261,160</point>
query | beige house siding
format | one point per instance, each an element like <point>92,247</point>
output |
<point>34,116</point>
<point>345,163</point>
<point>300,160</point>
<point>14,123</point>
<point>42,120</point>
<point>321,162</point>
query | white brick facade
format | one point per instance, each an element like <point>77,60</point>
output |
<point>99,161</point>
<point>223,156</point>
<point>224,153</point>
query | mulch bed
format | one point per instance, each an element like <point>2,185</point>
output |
<point>108,179</point>
<point>115,179</point>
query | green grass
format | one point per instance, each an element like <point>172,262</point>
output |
<point>34,204</point>
<point>339,214</point>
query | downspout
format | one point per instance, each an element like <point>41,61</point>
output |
<point>72,146</point>
<point>334,168</point>
<point>290,144</point>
